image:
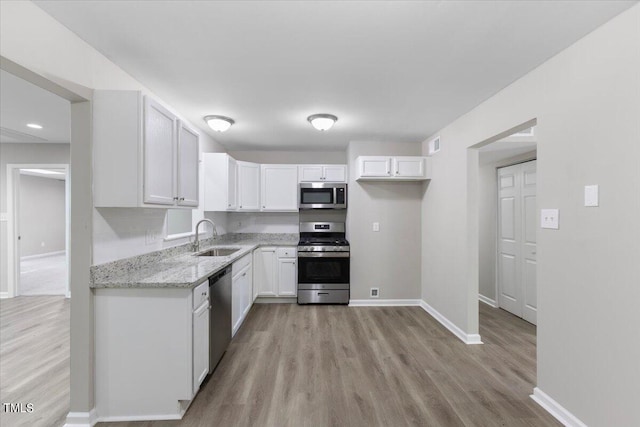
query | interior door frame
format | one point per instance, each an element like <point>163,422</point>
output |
<point>13,222</point>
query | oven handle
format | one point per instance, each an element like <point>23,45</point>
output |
<point>323,254</point>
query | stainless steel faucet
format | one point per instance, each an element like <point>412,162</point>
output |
<point>196,243</point>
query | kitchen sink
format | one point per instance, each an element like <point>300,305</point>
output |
<point>218,252</point>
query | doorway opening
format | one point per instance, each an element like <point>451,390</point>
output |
<point>507,223</point>
<point>40,194</point>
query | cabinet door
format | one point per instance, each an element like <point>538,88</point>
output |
<point>279,188</point>
<point>375,166</point>
<point>265,272</point>
<point>413,167</point>
<point>248,186</point>
<point>232,189</point>
<point>310,173</point>
<point>335,173</point>
<point>247,289</point>
<point>236,303</point>
<point>200,345</point>
<point>287,278</point>
<point>158,157</point>
<point>187,166</point>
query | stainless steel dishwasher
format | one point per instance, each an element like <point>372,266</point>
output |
<point>220,317</point>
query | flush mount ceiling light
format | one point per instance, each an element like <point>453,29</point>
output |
<point>34,126</point>
<point>219,123</point>
<point>322,121</point>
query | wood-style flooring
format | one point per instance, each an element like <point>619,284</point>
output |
<point>293,365</point>
<point>34,360</point>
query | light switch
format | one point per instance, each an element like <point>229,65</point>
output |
<point>591,195</point>
<point>376,226</point>
<point>549,218</point>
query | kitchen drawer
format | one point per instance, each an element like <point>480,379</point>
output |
<point>323,296</point>
<point>200,294</point>
<point>240,264</point>
<point>288,252</point>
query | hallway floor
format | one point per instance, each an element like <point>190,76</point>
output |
<point>44,276</point>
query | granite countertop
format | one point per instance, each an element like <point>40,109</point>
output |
<point>178,267</point>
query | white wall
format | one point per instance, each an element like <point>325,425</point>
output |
<point>15,154</point>
<point>488,211</point>
<point>289,157</point>
<point>42,215</point>
<point>587,103</point>
<point>388,259</point>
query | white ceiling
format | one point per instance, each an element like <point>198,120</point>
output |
<point>22,102</point>
<point>390,70</point>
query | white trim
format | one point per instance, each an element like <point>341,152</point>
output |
<point>555,409</point>
<point>275,300</point>
<point>54,253</point>
<point>488,301</point>
<point>81,419</point>
<point>139,418</point>
<point>466,338</point>
<point>4,295</point>
<point>383,302</point>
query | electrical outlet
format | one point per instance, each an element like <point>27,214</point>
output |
<point>376,226</point>
<point>374,292</point>
<point>150,237</point>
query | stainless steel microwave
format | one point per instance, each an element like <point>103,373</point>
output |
<point>323,195</point>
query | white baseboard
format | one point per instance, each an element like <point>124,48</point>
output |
<point>466,338</point>
<point>276,300</point>
<point>555,409</point>
<point>4,295</point>
<point>28,257</point>
<point>139,418</point>
<point>81,419</point>
<point>374,302</point>
<point>490,302</point>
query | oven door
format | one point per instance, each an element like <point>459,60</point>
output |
<point>323,268</point>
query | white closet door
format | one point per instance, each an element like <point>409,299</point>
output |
<point>509,292</point>
<point>517,291</point>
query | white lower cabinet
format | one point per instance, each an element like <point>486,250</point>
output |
<point>151,351</point>
<point>275,272</point>
<point>241,291</point>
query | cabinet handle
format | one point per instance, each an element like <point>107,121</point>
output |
<point>264,207</point>
<point>244,274</point>
<point>175,198</point>
<point>181,199</point>
<point>229,204</point>
<point>240,206</point>
<point>397,172</point>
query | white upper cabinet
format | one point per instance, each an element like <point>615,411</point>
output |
<point>187,166</point>
<point>158,153</point>
<point>322,173</point>
<point>142,155</point>
<point>279,188</point>
<point>248,186</point>
<point>220,182</point>
<point>393,168</point>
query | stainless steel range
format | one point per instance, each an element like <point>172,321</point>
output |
<point>323,263</point>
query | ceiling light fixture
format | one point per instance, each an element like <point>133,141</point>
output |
<point>43,171</point>
<point>34,126</point>
<point>322,121</point>
<point>219,123</point>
